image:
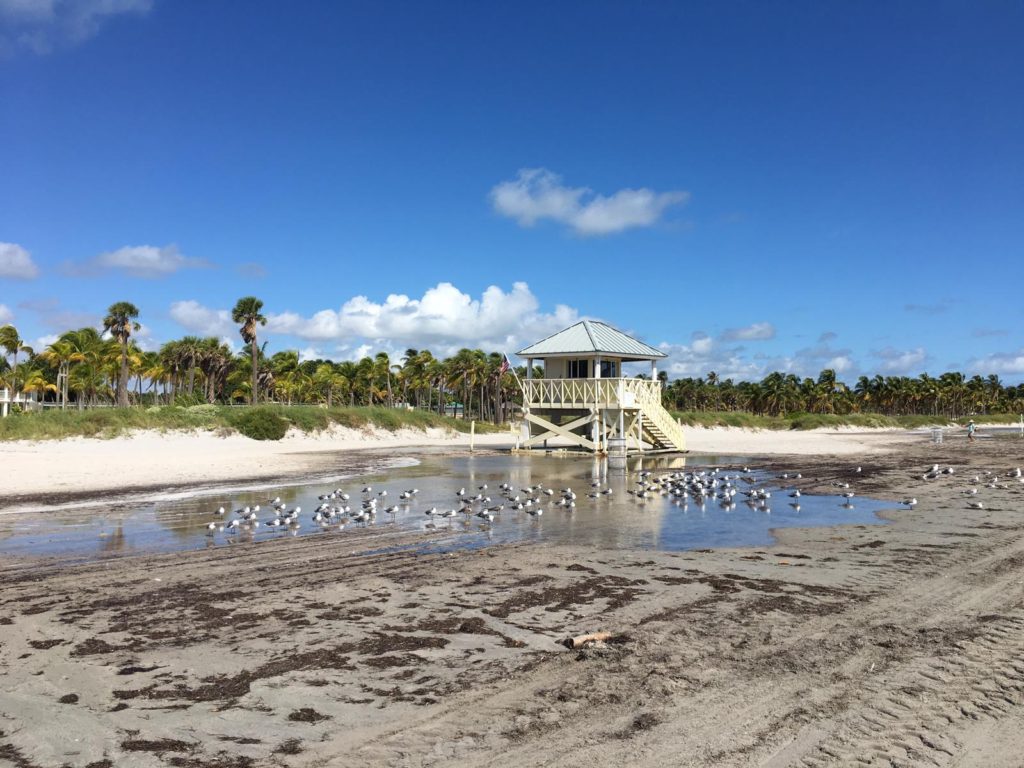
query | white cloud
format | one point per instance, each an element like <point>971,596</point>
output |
<point>139,261</point>
<point>537,194</point>
<point>44,341</point>
<point>999,363</point>
<point>194,317</point>
<point>701,343</point>
<point>143,338</point>
<point>755,332</point>
<point>443,317</point>
<point>841,364</point>
<point>39,26</point>
<point>442,320</point>
<point>16,262</point>
<point>899,362</point>
<point>701,357</point>
<point>5,314</point>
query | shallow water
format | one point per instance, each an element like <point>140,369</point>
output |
<point>617,521</point>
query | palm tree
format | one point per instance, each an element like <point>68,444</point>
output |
<point>12,344</point>
<point>120,322</point>
<point>215,362</point>
<point>247,312</point>
<point>62,353</point>
<point>285,367</point>
<point>382,368</point>
<point>189,348</point>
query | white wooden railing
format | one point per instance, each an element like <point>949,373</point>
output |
<point>591,393</point>
<point>641,394</point>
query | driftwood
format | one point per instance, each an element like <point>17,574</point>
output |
<point>580,640</point>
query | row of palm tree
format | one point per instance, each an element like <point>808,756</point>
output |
<point>950,395</point>
<point>91,367</point>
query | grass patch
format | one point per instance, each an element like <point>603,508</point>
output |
<point>265,422</point>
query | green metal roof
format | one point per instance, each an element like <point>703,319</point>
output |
<point>592,337</point>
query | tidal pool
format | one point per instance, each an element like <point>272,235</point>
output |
<point>619,520</point>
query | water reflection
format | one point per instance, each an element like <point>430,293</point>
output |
<point>618,519</point>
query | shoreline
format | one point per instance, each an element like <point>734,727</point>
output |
<point>146,462</point>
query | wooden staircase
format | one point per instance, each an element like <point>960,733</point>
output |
<point>659,428</point>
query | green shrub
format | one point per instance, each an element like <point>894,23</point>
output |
<point>185,400</point>
<point>259,424</point>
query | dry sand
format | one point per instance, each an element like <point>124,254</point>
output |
<point>896,645</point>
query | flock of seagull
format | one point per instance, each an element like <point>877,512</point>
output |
<point>985,479</point>
<point>701,487</point>
<point>338,509</point>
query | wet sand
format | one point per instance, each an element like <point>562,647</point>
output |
<point>853,645</point>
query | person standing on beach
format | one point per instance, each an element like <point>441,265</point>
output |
<point>971,429</point>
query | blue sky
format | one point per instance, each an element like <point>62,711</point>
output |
<point>755,186</point>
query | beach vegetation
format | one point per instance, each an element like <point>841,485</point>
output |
<point>266,422</point>
<point>921,400</point>
<point>89,369</point>
<point>259,424</point>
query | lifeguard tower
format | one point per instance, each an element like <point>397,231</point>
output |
<point>584,398</point>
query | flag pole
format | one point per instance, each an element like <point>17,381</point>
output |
<point>514,374</point>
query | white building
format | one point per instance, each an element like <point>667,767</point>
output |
<point>29,401</point>
<point>585,399</point>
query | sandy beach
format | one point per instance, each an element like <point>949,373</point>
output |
<point>876,645</point>
<point>150,460</point>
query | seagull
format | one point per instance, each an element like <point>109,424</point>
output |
<point>910,502</point>
<point>975,505</point>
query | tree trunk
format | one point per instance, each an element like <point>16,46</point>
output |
<point>255,372</point>
<point>122,384</point>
